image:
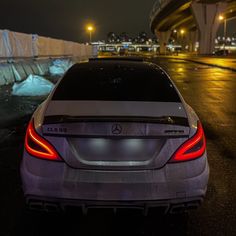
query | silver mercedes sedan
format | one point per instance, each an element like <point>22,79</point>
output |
<point>115,133</point>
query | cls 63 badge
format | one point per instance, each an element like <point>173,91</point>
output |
<point>56,130</point>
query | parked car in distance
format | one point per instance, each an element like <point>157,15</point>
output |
<point>222,52</point>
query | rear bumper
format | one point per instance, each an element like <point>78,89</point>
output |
<point>162,206</point>
<point>172,184</point>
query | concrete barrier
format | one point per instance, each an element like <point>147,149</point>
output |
<point>6,74</point>
<point>17,71</point>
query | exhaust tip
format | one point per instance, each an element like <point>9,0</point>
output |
<point>35,206</point>
<point>51,207</point>
<point>177,209</point>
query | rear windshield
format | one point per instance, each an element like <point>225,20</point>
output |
<point>116,81</point>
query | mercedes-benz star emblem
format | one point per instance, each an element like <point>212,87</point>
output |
<point>116,129</point>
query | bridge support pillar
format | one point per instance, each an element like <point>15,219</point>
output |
<point>207,19</point>
<point>163,37</point>
<point>192,38</point>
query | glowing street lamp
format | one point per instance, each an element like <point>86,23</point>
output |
<point>221,17</point>
<point>90,29</point>
<point>182,32</point>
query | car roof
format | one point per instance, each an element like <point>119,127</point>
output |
<point>118,58</point>
<point>136,63</point>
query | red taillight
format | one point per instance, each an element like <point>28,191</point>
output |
<point>38,146</point>
<point>192,148</point>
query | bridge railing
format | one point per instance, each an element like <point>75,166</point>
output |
<point>158,5</point>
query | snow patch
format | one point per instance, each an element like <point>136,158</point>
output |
<point>60,66</point>
<point>34,85</point>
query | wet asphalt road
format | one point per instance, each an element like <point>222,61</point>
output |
<point>212,93</point>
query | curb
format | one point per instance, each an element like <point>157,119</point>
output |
<point>212,65</point>
<point>204,63</point>
<point>200,62</point>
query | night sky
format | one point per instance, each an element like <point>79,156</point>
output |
<point>66,19</point>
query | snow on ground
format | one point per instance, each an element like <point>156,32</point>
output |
<point>60,66</point>
<point>34,85</point>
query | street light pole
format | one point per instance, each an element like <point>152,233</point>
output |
<point>222,18</point>
<point>90,29</point>
<point>225,30</point>
<point>182,32</point>
<point>90,36</point>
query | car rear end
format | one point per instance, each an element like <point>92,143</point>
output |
<point>115,134</point>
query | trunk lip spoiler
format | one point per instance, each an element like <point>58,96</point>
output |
<point>168,120</point>
<point>116,137</point>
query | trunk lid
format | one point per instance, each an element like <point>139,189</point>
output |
<point>122,135</point>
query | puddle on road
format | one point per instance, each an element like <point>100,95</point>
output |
<point>202,67</point>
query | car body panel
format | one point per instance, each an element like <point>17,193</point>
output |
<point>115,151</point>
<point>58,180</point>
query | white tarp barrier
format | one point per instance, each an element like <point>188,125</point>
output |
<point>68,48</point>
<point>44,46</point>
<point>33,86</point>
<point>21,44</point>
<point>60,47</point>
<point>5,47</point>
<point>35,44</point>
<point>41,45</point>
<point>83,51</point>
<point>78,50</point>
<point>94,50</point>
<point>89,51</point>
<point>71,48</point>
<point>56,47</point>
<point>13,44</point>
<point>2,47</point>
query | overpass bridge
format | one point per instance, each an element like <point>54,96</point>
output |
<point>199,18</point>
